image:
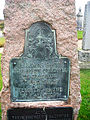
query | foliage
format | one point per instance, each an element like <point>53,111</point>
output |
<point>84,113</point>
<point>2,25</point>
<point>80,34</point>
<point>2,41</point>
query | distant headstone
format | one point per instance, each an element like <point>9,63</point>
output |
<point>86,35</point>
<point>39,74</point>
<point>79,20</point>
<point>84,56</point>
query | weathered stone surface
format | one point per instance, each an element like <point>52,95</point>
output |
<point>84,59</point>
<point>84,56</point>
<point>84,65</point>
<point>60,14</point>
<point>86,35</point>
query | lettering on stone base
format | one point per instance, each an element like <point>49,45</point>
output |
<point>26,114</point>
<point>57,113</point>
<point>40,74</point>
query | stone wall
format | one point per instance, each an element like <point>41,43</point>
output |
<point>60,14</point>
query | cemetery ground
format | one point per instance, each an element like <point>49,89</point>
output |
<point>85,93</point>
<point>79,34</point>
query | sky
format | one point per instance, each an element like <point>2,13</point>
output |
<point>2,3</point>
<point>78,3</point>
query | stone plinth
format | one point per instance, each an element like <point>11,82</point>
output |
<point>84,59</point>
<point>19,16</point>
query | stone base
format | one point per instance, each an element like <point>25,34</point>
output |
<point>84,65</point>
<point>13,115</point>
<point>84,59</point>
<point>84,56</point>
<point>48,113</point>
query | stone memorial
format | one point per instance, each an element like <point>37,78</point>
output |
<point>84,54</point>
<point>79,20</point>
<point>86,36</point>
<point>40,61</point>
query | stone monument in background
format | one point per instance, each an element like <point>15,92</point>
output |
<point>86,35</point>
<point>40,69</point>
<point>84,54</point>
<point>79,20</point>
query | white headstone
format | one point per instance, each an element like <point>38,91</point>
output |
<point>86,35</point>
<point>79,20</point>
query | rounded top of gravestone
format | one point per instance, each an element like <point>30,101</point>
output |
<point>79,9</point>
<point>80,13</point>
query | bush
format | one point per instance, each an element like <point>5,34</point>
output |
<point>2,41</point>
<point>80,34</point>
<point>2,25</point>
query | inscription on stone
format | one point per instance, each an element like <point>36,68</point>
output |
<point>26,114</point>
<point>60,113</point>
<point>40,74</point>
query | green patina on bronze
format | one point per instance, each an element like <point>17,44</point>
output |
<point>40,74</point>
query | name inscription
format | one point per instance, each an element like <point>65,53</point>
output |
<point>60,113</point>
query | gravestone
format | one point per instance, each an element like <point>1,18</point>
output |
<point>40,44</point>
<point>84,54</point>
<point>79,20</point>
<point>86,36</point>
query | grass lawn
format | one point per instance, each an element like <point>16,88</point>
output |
<point>80,34</point>
<point>84,113</point>
<point>2,41</point>
<point>85,92</point>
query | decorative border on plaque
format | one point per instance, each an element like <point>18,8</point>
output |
<point>40,74</point>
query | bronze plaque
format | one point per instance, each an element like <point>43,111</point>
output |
<point>40,74</point>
